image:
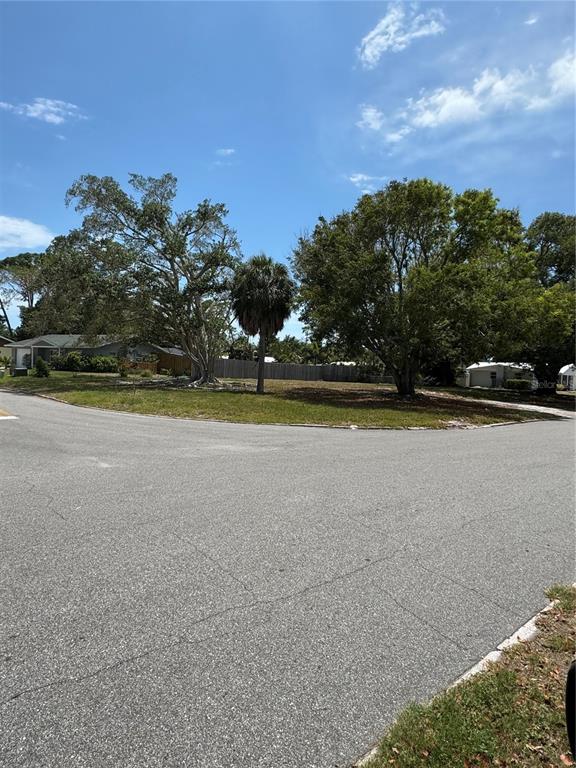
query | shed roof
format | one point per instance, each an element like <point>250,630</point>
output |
<point>570,368</point>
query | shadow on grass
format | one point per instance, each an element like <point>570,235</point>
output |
<point>451,408</point>
<point>443,406</point>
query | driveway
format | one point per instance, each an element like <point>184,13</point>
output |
<point>179,593</point>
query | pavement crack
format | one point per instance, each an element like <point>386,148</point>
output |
<point>426,623</point>
<point>467,587</point>
<point>203,620</point>
<point>213,560</point>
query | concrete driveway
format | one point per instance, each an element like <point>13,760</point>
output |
<point>179,593</point>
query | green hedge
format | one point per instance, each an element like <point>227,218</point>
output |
<point>524,384</point>
<point>74,361</point>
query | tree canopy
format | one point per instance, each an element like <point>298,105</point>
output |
<point>415,274</point>
<point>262,296</point>
<point>552,237</point>
<point>182,261</point>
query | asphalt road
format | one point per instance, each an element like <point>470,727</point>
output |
<point>179,593</point>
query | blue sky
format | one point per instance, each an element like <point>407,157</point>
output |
<point>282,110</point>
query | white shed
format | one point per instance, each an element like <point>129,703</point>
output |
<point>567,376</point>
<point>492,374</point>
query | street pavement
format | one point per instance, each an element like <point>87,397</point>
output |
<point>208,595</point>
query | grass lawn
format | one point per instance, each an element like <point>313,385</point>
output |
<point>510,715</point>
<point>286,402</point>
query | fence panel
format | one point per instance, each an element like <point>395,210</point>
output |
<point>248,369</point>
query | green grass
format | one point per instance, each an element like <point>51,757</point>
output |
<point>286,402</point>
<point>510,715</point>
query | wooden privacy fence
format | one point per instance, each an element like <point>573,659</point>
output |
<point>178,365</point>
<point>140,365</point>
<point>248,369</point>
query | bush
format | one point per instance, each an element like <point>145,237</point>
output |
<point>519,384</point>
<point>74,361</point>
<point>122,370</point>
<point>41,371</point>
<point>100,364</point>
<point>70,362</point>
<point>146,374</point>
<point>5,361</point>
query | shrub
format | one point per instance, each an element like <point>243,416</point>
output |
<point>100,364</point>
<point>146,374</point>
<point>122,370</point>
<point>41,371</point>
<point>522,384</point>
<point>70,362</point>
<point>74,361</point>
<point>5,361</point>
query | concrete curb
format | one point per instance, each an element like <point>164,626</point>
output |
<point>352,427</point>
<point>524,633</point>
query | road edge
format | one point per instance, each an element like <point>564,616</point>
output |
<point>523,634</point>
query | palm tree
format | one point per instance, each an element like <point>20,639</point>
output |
<point>262,296</point>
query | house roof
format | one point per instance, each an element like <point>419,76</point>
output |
<point>488,364</point>
<point>176,351</point>
<point>59,341</point>
<point>5,338</point>
<point>570,368</point>
<point>74,341</point>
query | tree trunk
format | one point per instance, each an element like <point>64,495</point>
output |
<point>4,314</point>
<point>202,363</point>
<point>404,380</point>
<point>261,360</point>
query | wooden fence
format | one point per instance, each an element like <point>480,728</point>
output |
<point>248,369</point>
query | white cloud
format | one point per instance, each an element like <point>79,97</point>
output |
<point>393,137</point>
<point>397,29</point>
<point>225,152</point>
<point>532,19</point>
<point>50,111</point>
<point>491,93</point>
<point>371,118</point>
<point>562,76</point>
<point>445,105</point>
<point>22,234</point>
<point>367,184</point>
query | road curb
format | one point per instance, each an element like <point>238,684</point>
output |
<point>351,427</point>
<point>523,634</point>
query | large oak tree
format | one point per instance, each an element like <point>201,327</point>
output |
<point>182,260</point>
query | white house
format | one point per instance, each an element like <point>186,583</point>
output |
<point>492,374</point>
<point>567,376</point>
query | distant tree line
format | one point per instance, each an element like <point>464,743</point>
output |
<point>416,279</point>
